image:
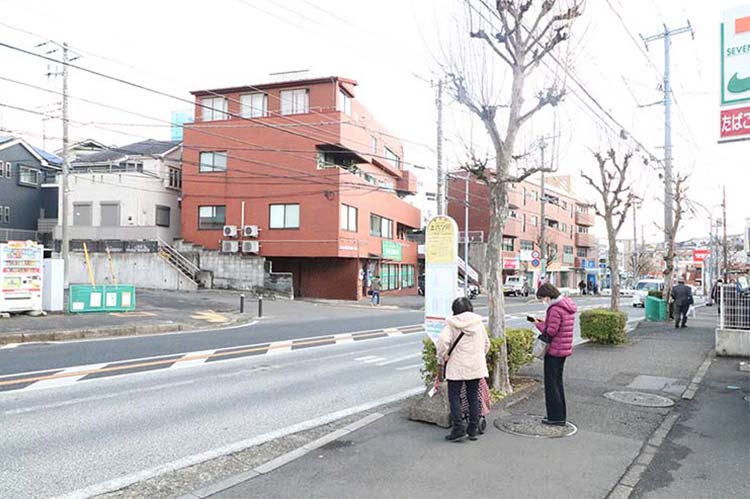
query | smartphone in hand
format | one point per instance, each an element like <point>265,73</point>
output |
<point>532,319</point>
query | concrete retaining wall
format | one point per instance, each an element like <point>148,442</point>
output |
<point>142,270</point>
<point>733,342</point>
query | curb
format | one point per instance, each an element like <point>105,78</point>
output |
<point>110,331</point>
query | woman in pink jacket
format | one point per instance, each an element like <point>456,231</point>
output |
<point>558,326</point>
<point>467,364</point>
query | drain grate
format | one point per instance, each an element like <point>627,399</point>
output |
<point>640,399</point>
<point>530,425</point>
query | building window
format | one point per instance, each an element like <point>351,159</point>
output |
<point>214,108</point>
<point>507,244</point>
<point>407,276</point>
<point>213,161</point>
<point>389,277</point>
<point>564,227</point>
<point>535,195</point>
<point>211,217</point>
<point>583,230</point>
<point>345,103</point>
<point>563,204</point>
<point>534,220</point>
<point>253,105</point>
<point>552,252</point>
<point>374,145</point>
<point>381,227</point>
<point>295,101</point>
<point>524,196</point>
<point>110,214</point>
<point>175,178</point>
<point>392,158</point>
<point>8,170</point>
<point>512,214</point>
<point>163,215</point>
<point>82,214</point>
<point>6,217</point>
<point>568,250</point>
<point>527,245</point>
<point>284,216</point>
<point>581,252</point>
<point>28,176</point>
<point>348,218</point>
<point>523,222</point>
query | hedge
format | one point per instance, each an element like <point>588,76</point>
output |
<point>519,353</point>
<point>604,326</point>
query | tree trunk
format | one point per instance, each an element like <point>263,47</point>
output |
<point>614,272</point>
<point>498,199</point>
<point>668,275</point>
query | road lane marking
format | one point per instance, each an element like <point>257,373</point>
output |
<point>365,358</point>
<point>399,359</point>
<point>58,382</point>
<point>373,360</point>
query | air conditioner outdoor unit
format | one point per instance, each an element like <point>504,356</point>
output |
<point>230,246</point>
<point>250,231</point>
<point>250,247</point>
<point>230,231</point>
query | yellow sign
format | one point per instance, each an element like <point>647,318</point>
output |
<point>441,240</point>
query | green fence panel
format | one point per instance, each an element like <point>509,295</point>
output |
<point>84,298</point>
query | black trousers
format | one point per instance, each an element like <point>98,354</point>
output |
<point>680,314</point>
<point>454,397</point>
<point>554,393</point>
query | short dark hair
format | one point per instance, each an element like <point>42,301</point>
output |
<point>461,305</point>
<point>547,290</point>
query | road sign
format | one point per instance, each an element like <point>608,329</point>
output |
<point>441,272</point>
<point>535,255</point>
<point>535,262</point>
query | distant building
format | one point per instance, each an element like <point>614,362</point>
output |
<point>27,189</point>
<point>127,193</point>
<point>568,221</point>
<point>306,163</point>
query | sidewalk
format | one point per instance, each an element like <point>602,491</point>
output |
<point>399,458</point>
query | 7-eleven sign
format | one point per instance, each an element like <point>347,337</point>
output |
<point>735,56</point>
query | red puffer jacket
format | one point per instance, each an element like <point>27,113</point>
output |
<point>559,325</point>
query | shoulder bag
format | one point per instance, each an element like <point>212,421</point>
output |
<point>441,370</point>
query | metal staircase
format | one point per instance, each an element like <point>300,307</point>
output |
<point>178,261</point>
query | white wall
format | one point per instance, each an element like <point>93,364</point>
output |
<point>137,193</point>
<point>142,270</point>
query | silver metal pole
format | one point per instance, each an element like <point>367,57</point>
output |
<point>66,167</point>
<point>466,234</point>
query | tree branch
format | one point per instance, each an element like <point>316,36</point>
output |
<point>551,97</point>
<point>509,59</point>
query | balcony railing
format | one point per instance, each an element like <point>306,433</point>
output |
<point>585,240</point>
<point>584,219</point>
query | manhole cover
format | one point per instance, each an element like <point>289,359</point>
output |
<point>641,399</point>
<point>530,425</point>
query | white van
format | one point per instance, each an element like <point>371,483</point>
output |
<point>642,289</point>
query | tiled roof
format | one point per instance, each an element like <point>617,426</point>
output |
<point>148,147</point>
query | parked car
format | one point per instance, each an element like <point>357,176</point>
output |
<point>516,285</point>
<point>642,289</point>
<point>473,290</point>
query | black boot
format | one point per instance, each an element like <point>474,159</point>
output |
<point>458,431</point>
<point>472,431</point>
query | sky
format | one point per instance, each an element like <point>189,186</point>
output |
<point>396,50</point>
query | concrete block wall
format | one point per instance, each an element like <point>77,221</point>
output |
<point>142,270</point>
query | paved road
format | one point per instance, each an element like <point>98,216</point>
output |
<point>308,321</point>
<point>94,428</point>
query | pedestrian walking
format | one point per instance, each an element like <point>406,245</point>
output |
<point>582,287</point>
<point>375,287</point>
<point>558,325</point>
<point>716,294</point>
<point>462,347</point>
<point>683,298</point>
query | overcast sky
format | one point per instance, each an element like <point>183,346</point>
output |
<point>394,49</point>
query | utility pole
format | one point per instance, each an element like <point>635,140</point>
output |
<point>724,223</point>
<point>635,247</point>
<point>466,234</point>
<point>440,175</point>
<point>666,35</point>
<point>543,201</point>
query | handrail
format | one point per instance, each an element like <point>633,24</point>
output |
<point>179,257</point>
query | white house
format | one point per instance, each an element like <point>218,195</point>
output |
<point>127,193</point>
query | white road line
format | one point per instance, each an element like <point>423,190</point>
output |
<point>373,360</point>
<point>404,368</point>
<point>124,481</point>
<point>204,354</point>
<point>344,338</point>
<point>9,345</point>
<point>366,358</point>
<point>58,382</point>
<point>392,332</point>
<point>278,347</point>
<point>399,359</point>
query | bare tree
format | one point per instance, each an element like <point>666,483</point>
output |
<point>616,199</point>
<point>680,191</point>
<point>522,40</point>
<point>642,264</point>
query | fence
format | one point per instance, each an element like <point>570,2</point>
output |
<point>734,306</point>
<point>18,235</point>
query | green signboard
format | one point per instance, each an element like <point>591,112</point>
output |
<point>101,298</point>
<point>392,251</point>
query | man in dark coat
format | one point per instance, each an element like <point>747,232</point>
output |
<point>683,298</point>
<point>716,294</point>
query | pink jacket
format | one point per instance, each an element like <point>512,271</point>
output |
<point>559,325</point>
<point>468,360</point>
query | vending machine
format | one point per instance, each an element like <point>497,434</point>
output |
<point>21,265</point>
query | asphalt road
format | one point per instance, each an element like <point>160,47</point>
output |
<point>70,434</point>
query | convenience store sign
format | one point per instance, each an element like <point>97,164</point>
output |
<point>392,251</point>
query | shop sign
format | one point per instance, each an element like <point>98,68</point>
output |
<point>510,264</point>
<point>700,255</point>
<point>735,124</point>
<point>527,255</point>
<point>735,56</point>
<point>392,251</point>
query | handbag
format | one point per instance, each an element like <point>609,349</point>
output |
<point>441,370</point>
<point>540,346</point>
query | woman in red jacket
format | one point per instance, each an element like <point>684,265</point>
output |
<point>558,325</point>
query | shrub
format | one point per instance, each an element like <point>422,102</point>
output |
<point>519,353</point>
<point>604,326</point>
<point>656,294</point>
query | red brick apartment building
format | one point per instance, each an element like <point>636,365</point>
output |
<point>568,218</point>
<point>312,169</point>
